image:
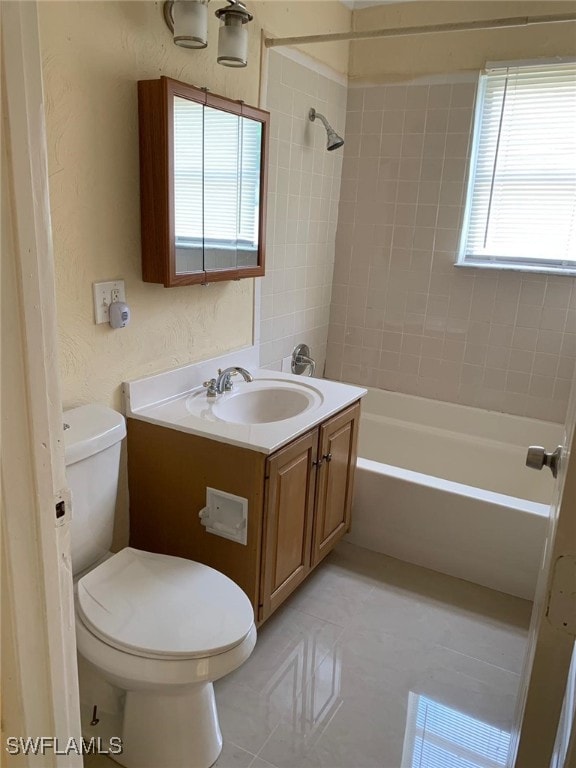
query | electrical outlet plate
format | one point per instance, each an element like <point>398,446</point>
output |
<point>104,295</point>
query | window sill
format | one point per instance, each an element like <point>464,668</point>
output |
<point>539,270</point>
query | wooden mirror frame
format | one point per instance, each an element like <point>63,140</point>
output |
<point>156,131</point>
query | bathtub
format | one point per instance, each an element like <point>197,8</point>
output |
<point>445,486</point>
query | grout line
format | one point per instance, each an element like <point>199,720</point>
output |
<point>258,754</point>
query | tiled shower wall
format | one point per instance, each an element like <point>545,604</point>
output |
<point>403,317</point>
<point>304,190</point>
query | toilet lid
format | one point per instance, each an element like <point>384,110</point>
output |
<point>162,606</point>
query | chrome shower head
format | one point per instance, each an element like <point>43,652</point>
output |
<point>334,141</point>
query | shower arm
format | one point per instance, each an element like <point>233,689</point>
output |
<point>313,115</point>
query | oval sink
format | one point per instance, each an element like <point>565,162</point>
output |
<point>262,406</point>
<point>262,401</point>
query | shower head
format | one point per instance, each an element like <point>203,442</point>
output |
<point>334,141</point>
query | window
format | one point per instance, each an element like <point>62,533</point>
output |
<point>521,202</point>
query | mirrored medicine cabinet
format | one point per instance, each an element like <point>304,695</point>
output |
<point>203,171</point>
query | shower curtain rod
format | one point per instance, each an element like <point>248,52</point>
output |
<point>460,26</point>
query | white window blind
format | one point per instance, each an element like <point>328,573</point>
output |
<point>216,176</point>
<point>221,176</point>
<point>521,204</point>
<point>188,170</point>
<point>442,737</point>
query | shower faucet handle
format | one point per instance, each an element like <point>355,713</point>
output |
<point>302,360</point>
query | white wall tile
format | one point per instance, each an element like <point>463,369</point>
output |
<point>306,182</point>
<point>504,341</point>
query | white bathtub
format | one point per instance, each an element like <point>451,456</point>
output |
<point>445,486</point>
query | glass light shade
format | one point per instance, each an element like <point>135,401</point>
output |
<point>232,42</point>
<point>190,23</point>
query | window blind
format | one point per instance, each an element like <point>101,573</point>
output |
<point>216,191</point>
<point>521,204</point>
<point>188,171</point>
<point>446,737</point>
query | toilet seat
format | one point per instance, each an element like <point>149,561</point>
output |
<point>163,607</point>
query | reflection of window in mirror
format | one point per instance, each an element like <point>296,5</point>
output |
<point>188,185</point>
<point>221,188</point>
<point>249,200</point>
<point>217,189</point>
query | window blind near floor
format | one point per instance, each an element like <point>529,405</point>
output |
<point>445,737</point>
<point>522,188</point>
<point>216,175</point>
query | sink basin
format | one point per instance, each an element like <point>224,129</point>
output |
<point>262,401</point>
<point>262,406</point>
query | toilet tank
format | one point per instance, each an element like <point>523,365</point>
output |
<point>92,438</point>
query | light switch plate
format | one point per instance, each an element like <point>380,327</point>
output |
<point>104,295</point>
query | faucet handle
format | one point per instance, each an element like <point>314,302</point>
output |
<point>228,384</point>
<point>211,387</point>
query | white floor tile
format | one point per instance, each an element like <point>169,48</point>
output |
<point>407,635</point>
<point>341,675</point>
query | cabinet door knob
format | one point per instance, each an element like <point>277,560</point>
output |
<point>318,463</point>
<point>327,458</point>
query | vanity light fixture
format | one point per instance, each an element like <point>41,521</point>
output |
<point>188,22</point>
<point>232,37</point>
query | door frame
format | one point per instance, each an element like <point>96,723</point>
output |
<point>546,674</point>
<point>40,671</point>
<point>40,676</point>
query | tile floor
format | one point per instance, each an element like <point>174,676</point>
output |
<point>375,663</point>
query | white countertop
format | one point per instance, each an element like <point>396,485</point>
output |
<point>190,410</point>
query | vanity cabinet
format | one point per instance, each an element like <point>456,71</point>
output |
<point>337,440</point>
<point>307,505</point>
<point>288,520</point>
<point>299,501</point>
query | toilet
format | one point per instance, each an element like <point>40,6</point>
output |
<point>153,632</point>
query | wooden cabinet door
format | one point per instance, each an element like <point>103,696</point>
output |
<point>288,519</point>
<point>337,453</point>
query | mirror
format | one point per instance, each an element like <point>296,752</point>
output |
<point>216,151</point>
<point>188,185</point>
<point>216,188</point>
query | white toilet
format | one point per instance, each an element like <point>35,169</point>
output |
<point>153,631</point>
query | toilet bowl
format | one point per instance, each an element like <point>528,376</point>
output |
<point>153,631</point>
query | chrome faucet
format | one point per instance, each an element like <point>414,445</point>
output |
<point>224,381</point>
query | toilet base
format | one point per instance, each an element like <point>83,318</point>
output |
<point>163,709</point>
<point>153,736</point>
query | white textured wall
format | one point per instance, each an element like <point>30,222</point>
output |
<point>304,188</point>
<point>402,58</point>
<point>284,18</point>
<point>93,55</point>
